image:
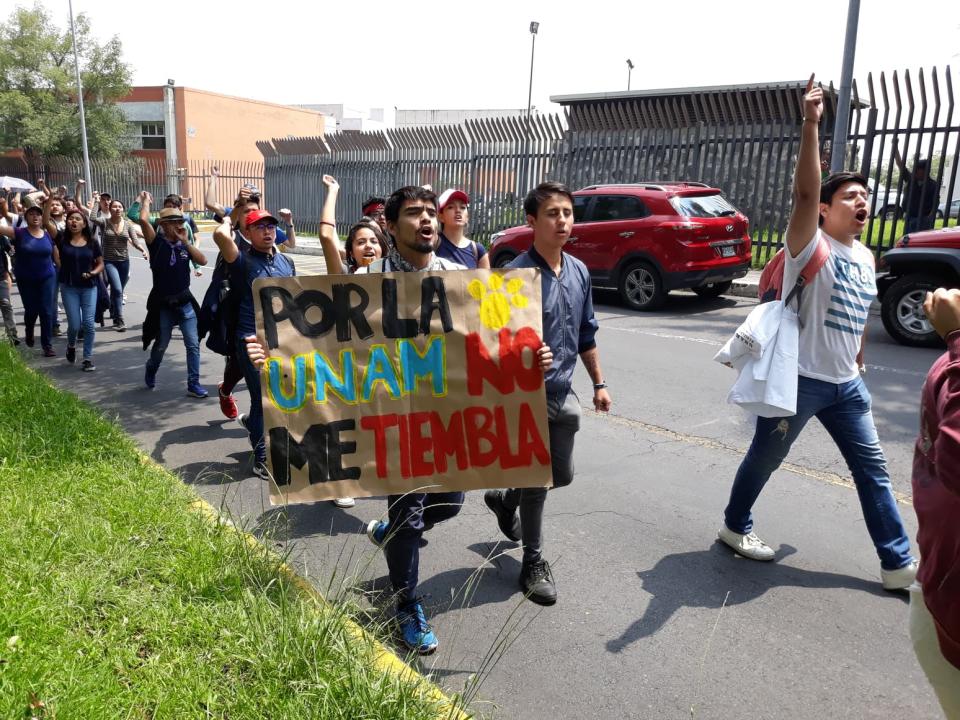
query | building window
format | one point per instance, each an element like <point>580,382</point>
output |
<point>148,136</point>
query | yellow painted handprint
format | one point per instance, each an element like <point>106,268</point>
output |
<point>495,299</point>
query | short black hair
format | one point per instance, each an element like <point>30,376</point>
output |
<point>173,198</point>
<point>832,182</point>
<point>411,192</point>
<point>543,192</point>
<point>372,200</point>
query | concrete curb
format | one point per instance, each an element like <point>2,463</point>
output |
<point>745,287</point>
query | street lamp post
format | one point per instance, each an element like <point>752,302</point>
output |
<point>83,120</point>
<point>629,70</point>
<point>534,26</point>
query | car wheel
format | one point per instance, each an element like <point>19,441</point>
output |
<point>713,290</point>
<point>503,259</point>
<point>902,310</point>
<point>641,287</point>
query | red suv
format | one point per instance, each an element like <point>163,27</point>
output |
<point>646,239</point>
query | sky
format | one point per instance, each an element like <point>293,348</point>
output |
<point>477,55</point>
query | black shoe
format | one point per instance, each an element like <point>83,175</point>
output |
<point>536,581</point>
<point>71,354</point>
<point>260,470</point>
<point>119,326</point>
<point>508,520</point>
<point>88,366</point>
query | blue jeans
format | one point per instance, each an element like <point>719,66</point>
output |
<point>411,515</point>
<point>254,419</point>
<point>80,303</point>
<point>186,318</point>
<point>118,272</point>
<point>39,298</point>
<point>844,410</point>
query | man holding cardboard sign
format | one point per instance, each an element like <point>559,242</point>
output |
<point>411,380</point>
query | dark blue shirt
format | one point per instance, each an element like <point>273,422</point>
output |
<point>250,265</point>
<point>170,265</point>
<point>469,256</point>
<point>569,327</point>
<point>75,261</point>
<point>33,257</point>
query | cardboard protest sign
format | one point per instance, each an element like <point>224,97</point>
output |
<point>395,382</point>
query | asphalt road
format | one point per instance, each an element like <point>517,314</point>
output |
<point>655,619</point>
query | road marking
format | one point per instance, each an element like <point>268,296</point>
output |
<point>823,476</point>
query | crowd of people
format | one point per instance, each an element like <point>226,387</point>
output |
<point>61,241</point>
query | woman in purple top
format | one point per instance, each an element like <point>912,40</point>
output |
<point>79,259</point>
<point>33,265</point>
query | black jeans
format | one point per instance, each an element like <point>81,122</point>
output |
<point>563,416</point>
<point>410,516</point>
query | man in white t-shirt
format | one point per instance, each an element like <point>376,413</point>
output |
<point>833,311</point>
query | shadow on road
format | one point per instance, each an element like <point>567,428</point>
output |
<point>703,578</point>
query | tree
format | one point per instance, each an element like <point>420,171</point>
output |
<point>38,93</point>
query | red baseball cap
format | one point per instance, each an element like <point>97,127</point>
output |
<point>255,216</point>
<point>451,194</point>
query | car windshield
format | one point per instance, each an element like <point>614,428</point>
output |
<point>703,206</point>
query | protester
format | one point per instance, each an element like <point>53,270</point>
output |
<point>219,309</point>
<point>6,307</point>
<point>934,606</point>
<point>33,265</point>
<point>173,200</point>
<point>411,217</point>
<point>454,244</point>
<point>170,301</point>
<point>921,191</point>
<point>79,260</point>
<point>116,232</point>
<point>365,242</point>
<point>833,310</point>
<point>373,208</point>
<point>569,330</point>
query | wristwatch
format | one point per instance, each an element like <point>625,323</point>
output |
<point>599,386</point>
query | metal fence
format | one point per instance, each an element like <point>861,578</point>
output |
<point>741,141</point>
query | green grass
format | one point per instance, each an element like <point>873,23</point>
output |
<point>117,601</point>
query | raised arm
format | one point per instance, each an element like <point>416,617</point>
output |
<point>899,160</point>
<point>194,252</point>
<point>328,228</point>
<point>149,234</point>
<point>286,217</point>
<point>48,224</point>
<point>210,196</point>
<point>223,237</point>
<point>805,216</point>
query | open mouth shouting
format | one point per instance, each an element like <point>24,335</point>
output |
<point>861,215</point>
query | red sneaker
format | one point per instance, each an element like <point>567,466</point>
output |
<point>228,406</point>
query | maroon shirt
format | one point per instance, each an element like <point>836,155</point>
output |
<point>936,496</point>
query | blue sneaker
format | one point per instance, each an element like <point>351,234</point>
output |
<point>377,531</point>
<point>150,378</point>
<point>196,390</point>
<point>414,629</point>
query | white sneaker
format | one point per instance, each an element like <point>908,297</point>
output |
<point>344,502</point>
<point>901,578</point>
<point>749,545</point>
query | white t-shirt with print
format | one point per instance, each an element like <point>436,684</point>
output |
<point>834,308</point>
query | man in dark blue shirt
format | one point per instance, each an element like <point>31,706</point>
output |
<point>569,329</point>
<point>170,301</point>
<point>259,259</point>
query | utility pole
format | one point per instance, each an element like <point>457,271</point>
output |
<point>524,179</point>
<point>83,119</point>
<point>629,70</point>
<point>838,150</point>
